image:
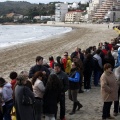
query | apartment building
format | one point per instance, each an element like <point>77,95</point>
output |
<point>73,16</point>
<point>104,9</point>
<point>60,10</point>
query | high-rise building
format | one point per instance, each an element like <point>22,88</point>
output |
<point>104,9</point>
<point>60,10</point>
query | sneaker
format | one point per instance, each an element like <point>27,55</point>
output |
<point>87,90</point>
<point>115,114</point>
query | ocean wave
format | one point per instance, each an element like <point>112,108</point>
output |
<point>17,34</point>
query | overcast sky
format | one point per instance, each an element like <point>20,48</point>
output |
<point>46,1</point>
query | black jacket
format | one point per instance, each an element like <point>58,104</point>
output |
<point>64,80</point>
<point>37,68</point>
<point>88,66</point>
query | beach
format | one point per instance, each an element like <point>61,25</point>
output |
<point>22,57</point>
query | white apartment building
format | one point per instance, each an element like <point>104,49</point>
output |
<point>60,10</point>
<point>73,16</point>
<point>104,9</point>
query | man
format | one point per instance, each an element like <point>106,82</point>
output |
<point>67,63</point>
<point>64,81</point>
<point>39,67</point>
<point>97,67</point>
<point>78,54</point>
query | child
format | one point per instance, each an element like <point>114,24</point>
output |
<point>13,76</point>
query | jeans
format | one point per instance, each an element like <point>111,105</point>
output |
<point>49,117</point>
<point>106,109</point>
<point>96,77</point>
<point>7,110</point>
<point>116,104</point>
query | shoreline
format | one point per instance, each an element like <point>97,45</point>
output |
<point>20,57</point>
<point>41,38</point>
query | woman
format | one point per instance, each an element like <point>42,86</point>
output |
<point>7,98</point>
<point>109,90</point>
<point>28,83</point>
<point>38,90</point>
<point>88,67</point>
<point>51,97</point>
<point>23,112</point>
<point>74,79</point>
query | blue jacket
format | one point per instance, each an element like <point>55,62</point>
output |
<point>76,77</point>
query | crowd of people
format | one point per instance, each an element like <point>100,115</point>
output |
<point>39,91</point>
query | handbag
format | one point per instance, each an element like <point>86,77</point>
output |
<point>26,100</point>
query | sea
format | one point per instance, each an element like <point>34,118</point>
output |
<point>19,34</point>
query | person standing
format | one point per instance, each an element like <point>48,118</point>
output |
<point>66,62</point>
<point>51,97</point>
<point>109,90</point>
<point>51,62</point>
<point>116,103</point>
<point>79,61</point>
<point>88,68</point>
<point>97,67</point>
<point>38,90</point>
<point>13,76</point>
<point>39,67</point>
<point>74,79</point>
<point>1,105</point>
<point>23,112</point>
<point>7,93</point>
<point>64,81</point>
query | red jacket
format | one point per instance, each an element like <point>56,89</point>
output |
<point>13,82</point>
<point>52,64</point>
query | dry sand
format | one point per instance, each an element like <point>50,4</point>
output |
<point>22,57</point>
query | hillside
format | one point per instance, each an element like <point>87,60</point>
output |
<point>26,8</point>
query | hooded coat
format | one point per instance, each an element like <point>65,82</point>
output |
<point>7,92</point>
